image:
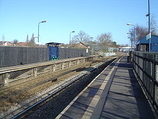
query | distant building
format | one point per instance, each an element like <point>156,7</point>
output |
<point>143,44</point>
<point>113,49</point>
<point>125,49</point>
<point>81,45</point>
<point>5,43</point>
<point>64,46</point>
<point>23,44</point>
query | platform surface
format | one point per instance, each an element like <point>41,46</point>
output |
<point>114,94</point>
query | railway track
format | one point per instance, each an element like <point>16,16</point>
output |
<point>19,96</point>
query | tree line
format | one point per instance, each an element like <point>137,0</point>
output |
<point>29,42</point>
<point>102,43</point>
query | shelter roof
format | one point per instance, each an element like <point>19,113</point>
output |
<point>53,43</point>
<point>154,39</point>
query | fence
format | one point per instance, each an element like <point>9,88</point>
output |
<point>71,53</point>
<point>146,69</point>
<point>11,56</point>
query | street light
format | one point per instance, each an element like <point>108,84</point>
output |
<point>70,36</point>
<point>38,28</point>
<point>91,43</point>
<point>130,38</point>
<point>129,24</point>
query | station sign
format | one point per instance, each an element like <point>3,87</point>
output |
<point>148,36</point>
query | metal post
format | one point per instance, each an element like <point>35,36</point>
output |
<point>134,34</point>
<point>91,45</point>
<point>38,31</point>
<point>70,37</point>
<point>38,28</point>
<point>134,37</point>
<point>148,15</point>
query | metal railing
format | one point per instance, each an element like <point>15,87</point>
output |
<point>146,69</point>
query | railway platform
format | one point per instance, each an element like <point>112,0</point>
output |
<point>114,94</point>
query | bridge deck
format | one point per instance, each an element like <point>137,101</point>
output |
<point>114,94</point>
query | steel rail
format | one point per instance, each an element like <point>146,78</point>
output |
<point>41,99</point>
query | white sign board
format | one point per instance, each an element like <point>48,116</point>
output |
<point>148,36</point>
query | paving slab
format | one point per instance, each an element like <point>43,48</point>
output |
<point>114,94</point>
<point>125,99</point>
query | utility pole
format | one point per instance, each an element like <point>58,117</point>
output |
<point>149,31</point>
<point>149,16</point>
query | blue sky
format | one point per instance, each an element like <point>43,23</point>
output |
<point>21,17</point>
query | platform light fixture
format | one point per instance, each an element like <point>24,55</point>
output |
<point>38,28</point>
<point>70,36</point>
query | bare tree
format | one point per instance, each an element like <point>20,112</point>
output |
<point>81,37</point>
<point>15,41</point>
<point>138,32</point>
<point>104,41</point>
<point>153,25</point>
<point>73,41</point>
<point>32,41</point>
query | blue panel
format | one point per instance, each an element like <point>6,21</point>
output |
<point>154,39</point>
<point>154,47</point>
<point>53,52</point>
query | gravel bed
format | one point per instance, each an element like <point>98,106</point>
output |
<point>19,101</point>
<point>52,108</point>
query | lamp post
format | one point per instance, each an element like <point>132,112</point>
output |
<point>70,36</point>
<point>149,27</point>
<point>91,38</point>
<point>38,28</point>
<point>130,38</point>
<point>134,33</point>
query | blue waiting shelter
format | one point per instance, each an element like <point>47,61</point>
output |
<point>143,44</point>
<point>53,50</point>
